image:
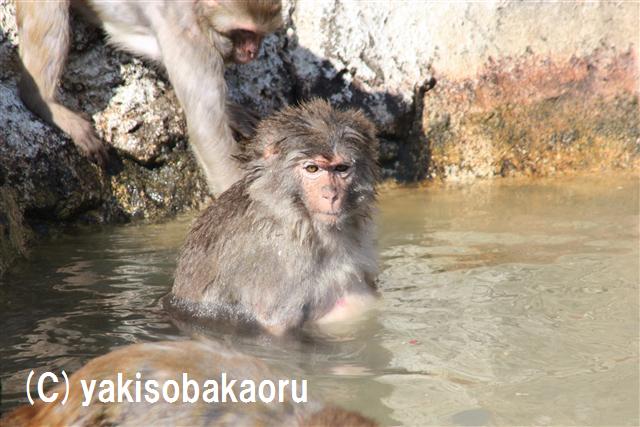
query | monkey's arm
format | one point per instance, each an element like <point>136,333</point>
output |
<point>197,75</point>
<point>44,44</point>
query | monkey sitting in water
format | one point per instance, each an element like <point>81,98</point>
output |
<point>164,362</point>
<point>292,242</point>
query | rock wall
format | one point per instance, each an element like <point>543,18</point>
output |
<point>535,89</point>
<point>459,91</point>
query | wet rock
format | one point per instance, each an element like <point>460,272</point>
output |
<point>15,236</point>
<point>44,168</point>
<point>143,118</point>
<point>157,192</point>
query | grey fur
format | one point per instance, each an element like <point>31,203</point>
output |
<point>255,254</point>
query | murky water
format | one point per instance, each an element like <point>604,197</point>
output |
<point>503,304</point>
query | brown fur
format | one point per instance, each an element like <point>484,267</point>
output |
<point>168,360</point>
<point>332,416</point>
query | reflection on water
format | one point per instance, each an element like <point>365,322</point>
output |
<point>503,304</point>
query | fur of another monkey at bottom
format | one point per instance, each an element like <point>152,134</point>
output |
<point>293,241</point>
<point>139,365</point>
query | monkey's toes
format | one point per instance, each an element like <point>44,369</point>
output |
<point>94,149</point>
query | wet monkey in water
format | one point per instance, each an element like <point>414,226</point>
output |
<point>292,242</point>
<point>192,39</point>
<point>165,363</point>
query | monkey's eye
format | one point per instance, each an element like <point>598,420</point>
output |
<point>312,168</point>
<point>341,168</point>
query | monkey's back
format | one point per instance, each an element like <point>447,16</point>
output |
<point>161,362</point>
<point>236,261</point>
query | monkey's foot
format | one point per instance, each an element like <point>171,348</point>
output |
<point>81,132</point>
<point>88,143</point>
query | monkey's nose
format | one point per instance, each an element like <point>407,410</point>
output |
<point>329,192</point>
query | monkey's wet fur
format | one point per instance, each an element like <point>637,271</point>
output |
<point>293,241</point>
<point>167,361</point>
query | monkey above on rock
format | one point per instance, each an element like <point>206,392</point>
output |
<point>192,39</point>
<point>292,242</point>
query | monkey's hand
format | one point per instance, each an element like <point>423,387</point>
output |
<point>85,138</point>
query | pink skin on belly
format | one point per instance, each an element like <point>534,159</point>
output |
<point>348,307</point>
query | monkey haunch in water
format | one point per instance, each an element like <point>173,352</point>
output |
<point>192,39</point>
<point>293,240</point>
<point>165,362</point>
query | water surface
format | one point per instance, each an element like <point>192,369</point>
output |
<point>503,304</point>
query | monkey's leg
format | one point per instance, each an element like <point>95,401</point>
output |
<point>44,45</point>
<point>196,72</point>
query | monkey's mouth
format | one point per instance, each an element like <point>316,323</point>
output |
<point>242,59</point>
<point>328,217</point>
<point>336,214</point>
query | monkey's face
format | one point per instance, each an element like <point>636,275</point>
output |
<point>325,186</point>
<point>315,162</point>
<point>246,45</point>
<point>237,45</point>
<point>236,28</point>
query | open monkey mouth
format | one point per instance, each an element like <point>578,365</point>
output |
<point>243,58</point>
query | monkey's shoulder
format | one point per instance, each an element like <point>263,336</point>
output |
<point>236,218</point>
<point>219,218</point>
